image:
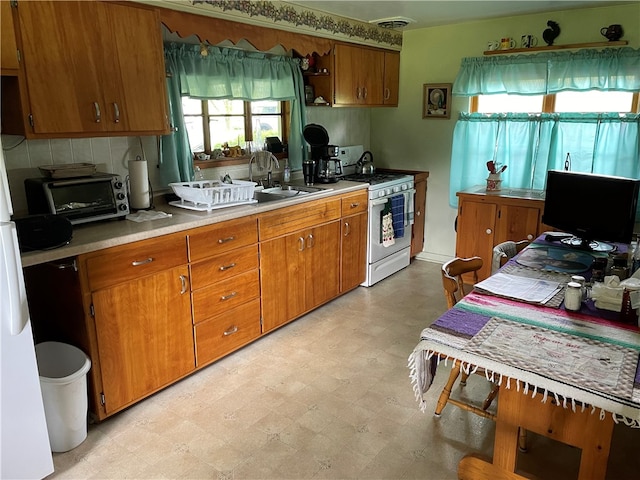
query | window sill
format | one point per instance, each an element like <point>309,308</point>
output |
<point>227,161</point>
<point>619,43</point>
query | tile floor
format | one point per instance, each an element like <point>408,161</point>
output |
<point>327,396</point>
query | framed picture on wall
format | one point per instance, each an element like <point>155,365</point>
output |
<point>436,101</point>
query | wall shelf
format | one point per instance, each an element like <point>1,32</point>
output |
<point>619,43</point>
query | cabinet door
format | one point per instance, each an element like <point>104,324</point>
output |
<point>476,225</point>
<point>353,266</point>
<point>517,223</point>
<point>64,71</point>
<point>144,335</point>
<point>420,203</point>
<point>282,280</point>
<point>8,48</point>
<point>138,103</point>
<point>322,264</point>
<point>348,61</point>
<point>372,76</point>
<point>391,78</point>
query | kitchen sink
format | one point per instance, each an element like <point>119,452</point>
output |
<point>286,191</point>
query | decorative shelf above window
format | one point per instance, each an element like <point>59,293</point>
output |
<point>619,43</point>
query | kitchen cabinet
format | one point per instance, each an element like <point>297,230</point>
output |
<point>104,76</point>
<point>391,85</point>
<point>138,298</point>
<point>225,287</point>
<point>299,260</point>
<point>8,48</point>
<point>358,75</point>
<point>353,241</point>
<point>485,220</point>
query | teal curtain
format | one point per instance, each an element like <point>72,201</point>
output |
<point>550,72</point>
<point>224,73</point>
<point>530,145</point>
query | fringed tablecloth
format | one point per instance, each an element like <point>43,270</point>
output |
<point>580,360</point>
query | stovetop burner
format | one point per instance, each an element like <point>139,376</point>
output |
<point>373,179</point>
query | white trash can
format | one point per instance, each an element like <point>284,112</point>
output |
<point>63,378</point>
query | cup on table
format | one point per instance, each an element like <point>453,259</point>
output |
<point>528,41</point>
<point>507,43</point>
<point>493,45</point>
<point>308,171</point>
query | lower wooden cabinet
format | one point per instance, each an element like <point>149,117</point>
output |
<point>151,312</point>
<point>144,336</point>
<point>485,220</point>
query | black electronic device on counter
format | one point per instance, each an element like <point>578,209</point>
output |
<point>274,145</point>
<point>595,209</point>
<point>43,232</point>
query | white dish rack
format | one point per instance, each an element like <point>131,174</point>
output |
<point>206,195</point>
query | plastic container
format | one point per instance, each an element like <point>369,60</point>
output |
<point>63,379</point>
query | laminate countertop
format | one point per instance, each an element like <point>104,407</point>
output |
<point>90,237</point>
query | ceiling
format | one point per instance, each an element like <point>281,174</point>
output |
<point>430,13</point>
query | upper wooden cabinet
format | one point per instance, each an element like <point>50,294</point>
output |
<point>357,76</point>
<point>101,73</point>
<point>8,49</point>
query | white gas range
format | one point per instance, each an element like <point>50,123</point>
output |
<point>388,192</point>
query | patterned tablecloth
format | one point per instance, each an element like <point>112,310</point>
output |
<point>581,360</point>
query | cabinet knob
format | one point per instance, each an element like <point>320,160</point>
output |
<point>183,281</point>
<point>529,237</point>
<point>98,115</point>
<point>116,113</point>
<point>488,231</point>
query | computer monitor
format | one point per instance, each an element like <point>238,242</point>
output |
<point>596,209</point>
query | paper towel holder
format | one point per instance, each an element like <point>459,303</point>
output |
<point>139,186</point>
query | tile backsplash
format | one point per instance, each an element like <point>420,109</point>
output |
<point>346,126</point>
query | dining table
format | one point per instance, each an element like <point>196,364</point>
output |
<point>563,374</point>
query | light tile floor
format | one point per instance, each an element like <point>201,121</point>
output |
<point>327,396</point>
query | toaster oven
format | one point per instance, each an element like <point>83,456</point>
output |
<point>101,196</point>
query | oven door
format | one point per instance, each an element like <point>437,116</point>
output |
<point>377,251</point>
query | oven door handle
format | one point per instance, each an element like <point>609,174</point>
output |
<point>380,201</point>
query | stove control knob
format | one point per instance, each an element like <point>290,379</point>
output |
<point>405,186</point>
<point>396,189</point>
<point>388,191</point>
<point>381,193</point>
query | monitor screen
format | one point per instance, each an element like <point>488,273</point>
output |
<point>594,208</point>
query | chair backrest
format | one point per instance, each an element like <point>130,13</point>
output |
<point>452,271</point>
<point>504,251</point>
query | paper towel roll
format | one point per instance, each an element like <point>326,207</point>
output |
<point>138,184</point>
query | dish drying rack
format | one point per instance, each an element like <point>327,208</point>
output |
<point>207,195</point>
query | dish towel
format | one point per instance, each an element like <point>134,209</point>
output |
<point>386,226</point>
<point>397,209</point>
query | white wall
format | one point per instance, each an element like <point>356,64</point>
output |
<point>401,138</point>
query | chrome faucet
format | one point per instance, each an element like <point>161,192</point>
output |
<point>272,158</point>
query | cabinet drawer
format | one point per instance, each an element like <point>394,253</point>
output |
<point>222,237</point>
<point>134,260</point>
<point>354,203</point>
<point>224,333</point>
<point>224,266</point>
<point>222,296</point>
<point>298,217</point>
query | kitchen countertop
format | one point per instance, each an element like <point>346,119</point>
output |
<point>99,235</point>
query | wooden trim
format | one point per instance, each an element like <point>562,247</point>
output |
<point>215,30</point>
<point>635,103</point>
<point>549,103</point>
<point>619,43</point>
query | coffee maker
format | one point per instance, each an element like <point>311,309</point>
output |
<point>328,168</point>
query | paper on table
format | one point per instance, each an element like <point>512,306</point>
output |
<point>521,288</point>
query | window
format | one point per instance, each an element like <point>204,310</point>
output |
<point>216,124</point>
<point>575,102</point>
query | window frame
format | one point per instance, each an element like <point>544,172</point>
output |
<point>285,113</point>
<point>549,103</point>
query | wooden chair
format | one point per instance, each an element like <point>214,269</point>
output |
<point>504,251</point>
<point>454,290</point>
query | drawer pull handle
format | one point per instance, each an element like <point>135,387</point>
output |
<point>228,297</point>
<point>347,229</point>
<point>98,115</point>
<point>116,112</point>
<point>227,267</point>
<point>225,240</point>
<point>231,331</point>
<point>311,241</point>
<point>301,244</point>
<point>355,204</point>
<point>137,263</point>
<point>183,281</point>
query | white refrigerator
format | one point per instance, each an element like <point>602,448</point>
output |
<point>24,440</point>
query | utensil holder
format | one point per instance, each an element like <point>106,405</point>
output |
<point>493,182</point>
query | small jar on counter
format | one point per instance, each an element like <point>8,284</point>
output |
<point>573,296</point>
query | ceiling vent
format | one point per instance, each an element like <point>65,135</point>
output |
<point>393,22</point>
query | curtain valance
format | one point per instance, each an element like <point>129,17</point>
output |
<point>550,72</point>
